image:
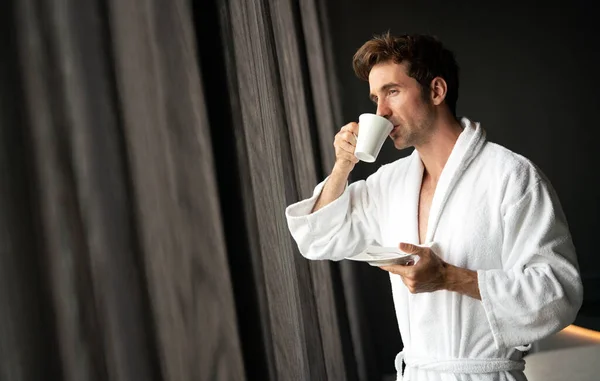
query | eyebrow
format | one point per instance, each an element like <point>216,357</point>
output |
<point>385,87</point>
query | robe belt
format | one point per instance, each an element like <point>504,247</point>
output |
<point>458,365</point>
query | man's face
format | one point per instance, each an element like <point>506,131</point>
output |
<point>399,98</point>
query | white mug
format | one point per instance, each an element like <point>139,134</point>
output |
<point>372,131</point>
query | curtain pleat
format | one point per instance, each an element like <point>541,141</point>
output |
<point>28,349</point>
<point>176,202</point>
<point>269,66</point>
<point>130,229</point>
<point>291,310</point>
<point>62,63</point>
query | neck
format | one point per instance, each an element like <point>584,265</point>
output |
<point>435,152</point>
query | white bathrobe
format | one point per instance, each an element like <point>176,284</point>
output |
<point>493,211</point>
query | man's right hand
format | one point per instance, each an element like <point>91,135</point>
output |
<point>345,144</point>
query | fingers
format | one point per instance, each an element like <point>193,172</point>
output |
<point>345,151</point>
<point>410,284</point>
<point>409,277</point>
<point>345,140</point>
<point>409,248</point>
<point>426,275</point>
<point>345,143</point>
<point>402,270</point>
<point>351,128</point>
<point>348,133</point>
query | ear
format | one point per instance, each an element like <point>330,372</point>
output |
<point>439,89</point>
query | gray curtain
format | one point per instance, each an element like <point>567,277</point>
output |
<point>148,150</point>
<point>125,210</point>
<point>281,105</point>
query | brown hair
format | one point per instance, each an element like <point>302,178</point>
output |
<point>425,56</point>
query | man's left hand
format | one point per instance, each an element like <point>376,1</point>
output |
<point>431,273</point>
<point>427,275</point>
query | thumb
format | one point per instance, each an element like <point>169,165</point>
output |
<point>408,248</point>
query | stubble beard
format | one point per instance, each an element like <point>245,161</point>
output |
<point>418,134</point>
<point>412,137</point>
<point>402,139</point>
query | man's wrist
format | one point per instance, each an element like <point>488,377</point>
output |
<point>461,280</point>
<point>341,171</point>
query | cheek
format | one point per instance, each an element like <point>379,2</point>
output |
<point>414,109</point>
<point>399,106</point>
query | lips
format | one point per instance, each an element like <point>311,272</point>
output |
<point>394,129</point>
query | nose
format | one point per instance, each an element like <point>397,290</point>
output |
<point>383,109</point>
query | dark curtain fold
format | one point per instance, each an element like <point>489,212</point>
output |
<point>275,125</point>
<point>27,340</point>
<point>78,190</point>
<point>172,172</point>
<point>124,186</point>
<point>148,151</point>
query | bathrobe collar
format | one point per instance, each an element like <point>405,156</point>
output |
<point>467,147</point>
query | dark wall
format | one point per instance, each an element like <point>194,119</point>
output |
<point>529,74</point>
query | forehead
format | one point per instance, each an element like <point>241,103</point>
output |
<point>388,72</point>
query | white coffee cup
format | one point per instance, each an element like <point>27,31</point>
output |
<point>372,131</point>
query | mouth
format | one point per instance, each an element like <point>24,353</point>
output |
<point>394,129</point>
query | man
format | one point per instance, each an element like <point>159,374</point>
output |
<point>497,268</point>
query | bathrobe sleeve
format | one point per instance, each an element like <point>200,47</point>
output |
<point>341,229</point>
<point>539,290</point>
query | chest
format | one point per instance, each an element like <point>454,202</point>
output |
<point>425,197</point>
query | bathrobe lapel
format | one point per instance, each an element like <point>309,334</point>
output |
<point>467,146</point>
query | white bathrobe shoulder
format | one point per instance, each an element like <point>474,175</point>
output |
<point>493,212</point>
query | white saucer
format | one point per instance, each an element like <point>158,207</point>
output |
<point>384,256</point>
